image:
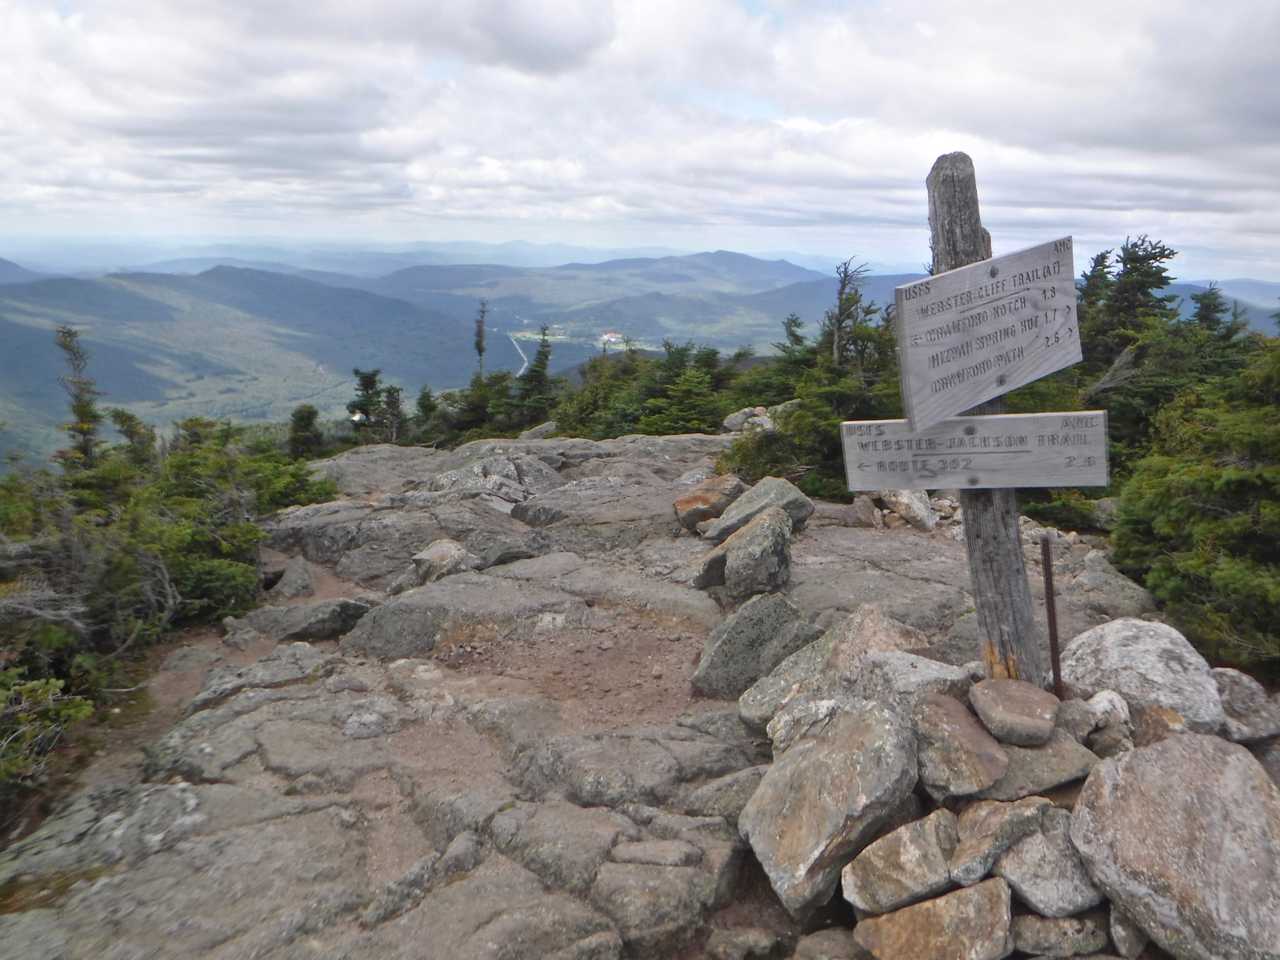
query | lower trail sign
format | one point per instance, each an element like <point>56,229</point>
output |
<point>981,452</point>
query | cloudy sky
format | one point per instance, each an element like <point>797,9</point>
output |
<point>751,125</point>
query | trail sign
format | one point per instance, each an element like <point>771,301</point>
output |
<point>979,452</point>
<point>974,333</point>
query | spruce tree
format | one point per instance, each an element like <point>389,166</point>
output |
<point>83,395</point>
<point>482,315</point>
<point>305,438</point>
<point>534,388</point>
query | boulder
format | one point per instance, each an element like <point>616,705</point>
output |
<point>988,829</point>
<point>1149,665</point>
<point>1250,715</point>
<point>868,630</point>
<point>1268,754</point>
<point>834,943</point>
<point>1015,711</point>
<point>1184,837</point>
<point>296,581</point>
<point>725,796</point>
<point>1034,770</point>
<point>441,559</point>
<point>1106,591</point>
<point>912,506</point>
<point>805,715</point>
<point>825,798</point>
<point>1128,938</point>
<point>971,924</point>
<point>863,512</point>
<point>1060,937</point>
<point>741,943</point>
<point>755,559</point>
<point>902,867</point>
<point>1045,871</point>
<point>707,500</point>
<point>761,703</point>
<point>747,645</point>
<point>769,492</point>
<point>313,620</point>
<point>957,756</point>
<point>900,679</point>
<point>735,421</point>
<point>540,432</point>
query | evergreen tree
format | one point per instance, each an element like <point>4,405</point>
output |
<point>83,395</point>
<point>481,316</point>
<point>1210,312</point>
<point>368,399</point>
<point>391,424</point>
<point>139,436</point>
<point>689,406</point>
<point>305,438</point>
<point>366,409</point>
<point>534,392</point>
<point>425,408</point>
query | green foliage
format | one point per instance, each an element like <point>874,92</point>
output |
<point>33,716</point>
<point>1064,509</point>
<point>1200,518</point>
<point>688,405</point>
<point>305,437</point>
<point>124,545</point>
<point>82,394</point>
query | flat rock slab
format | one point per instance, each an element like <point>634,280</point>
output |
<point>957,756</point>
<point>497,911</point>
<point>1034,770</point>
<point>825,798</point>
<point>970,924</point>
<point>1151,665</point>
<point>410,624</point>
<point>287,664</point>
<point>1015,711</point>
<point>1184,836</point>
<point>314,620</point>
<point>657,909</point>
<point>902,867</point>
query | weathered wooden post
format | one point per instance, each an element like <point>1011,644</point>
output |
<point>1002,596</point>
<point>971,331</point>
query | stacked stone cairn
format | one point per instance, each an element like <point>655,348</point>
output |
<point>976,818</point>
<point>987,819</point>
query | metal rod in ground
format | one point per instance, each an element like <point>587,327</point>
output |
<point>1051,614</point>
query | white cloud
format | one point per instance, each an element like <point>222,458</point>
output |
<point>707,123</point>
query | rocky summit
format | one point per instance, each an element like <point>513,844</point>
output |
<point>557,698</point>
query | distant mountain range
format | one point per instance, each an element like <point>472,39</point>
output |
<point>249,338</point>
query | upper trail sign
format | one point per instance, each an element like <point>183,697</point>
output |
<point>974,333</point>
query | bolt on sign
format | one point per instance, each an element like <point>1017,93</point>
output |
<point>978,452</point>
<point>972,334</point>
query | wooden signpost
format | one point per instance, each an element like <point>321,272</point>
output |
<point>983,452</point>
<point>975,329</point>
